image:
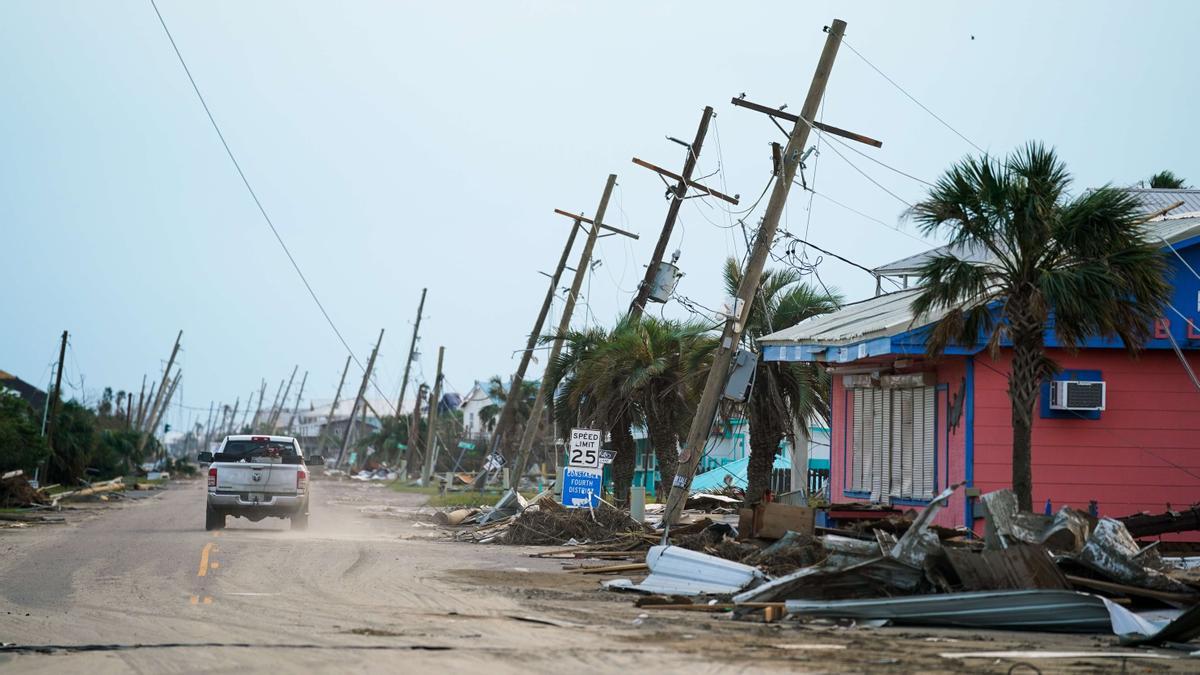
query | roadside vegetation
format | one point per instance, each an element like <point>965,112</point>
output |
<point>82,443</point>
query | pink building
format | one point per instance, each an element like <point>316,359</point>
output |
<point>904,426</point>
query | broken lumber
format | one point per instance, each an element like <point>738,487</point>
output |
<point>610,569</point>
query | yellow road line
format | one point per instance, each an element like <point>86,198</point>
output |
<point>204,560</point>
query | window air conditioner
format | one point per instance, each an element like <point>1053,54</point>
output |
<point>1077,395</point>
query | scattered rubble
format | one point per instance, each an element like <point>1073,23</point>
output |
<point>15,491</point>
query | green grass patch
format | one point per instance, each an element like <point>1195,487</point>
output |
<point>415,489</point>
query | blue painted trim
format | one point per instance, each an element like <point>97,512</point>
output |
<point>856,495</point>
<point>969,442</point>
<point>897,501</point>
<point>1044,410</point>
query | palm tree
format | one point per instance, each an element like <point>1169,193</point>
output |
<point>1167,179</point>
<point>658,363</point>
<point>591,394</point>
<point>785,396</point>
<point>1084,262</point>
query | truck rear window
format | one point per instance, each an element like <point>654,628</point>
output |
<point>246,451</point>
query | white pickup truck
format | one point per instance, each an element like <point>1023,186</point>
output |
<point>257,477</point>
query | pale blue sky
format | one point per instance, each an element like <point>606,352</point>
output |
<point>401,144</point>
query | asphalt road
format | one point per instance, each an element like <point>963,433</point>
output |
<point>140,587</point>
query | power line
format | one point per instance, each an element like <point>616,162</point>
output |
<point>868,177</point>
<point>889,167</point>
<point>254,196</point>
<point>864,215</point>
<point>910,96</point>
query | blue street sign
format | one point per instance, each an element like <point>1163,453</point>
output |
<point>581,486</point>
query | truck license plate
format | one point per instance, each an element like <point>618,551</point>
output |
<point>258,497</point>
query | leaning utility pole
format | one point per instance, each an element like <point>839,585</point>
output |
<point>362,390</point>
<point>136,422</point>
<point>296,409</point>
<point>162,386</point>
<point>56,395</point>
<point>431,437</point>
<point>162,410</point>
<point>414,431</point>
<point>412,347</point>
<point>564,323</point>
<point>275,414</point>
<point>145,411</point>
<point>208,425</point>
<point>237,404</point>
<point>337,398</point>
<point>677,195</point>
<point>246,413</point>
<point>265,425</point>
<point>508,411</point>
<point>718,374</point>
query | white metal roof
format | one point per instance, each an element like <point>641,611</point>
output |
<point>891,314</point>
<point>880,316</point>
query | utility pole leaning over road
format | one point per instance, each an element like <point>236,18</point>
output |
<point>237,402</point>
<point>56,395</point>
<point>677,195</point>
<point>154,408</point>
<point>276,413</point>
<point>136,422</point>
<point>337,398</point>
<point>162,410</point>
<point>412,348</point>
<point>751,276</point>
<point>296,410</point>
<point>265,425</point>
<point>362,390</point>
<point>431,438</point>
<point>414,431</point>
<point>564,323</point>
<point>508,411</point>
<point>246,413</point>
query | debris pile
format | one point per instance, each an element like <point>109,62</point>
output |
<point>1063,572</point>
<point>549,523</point>
<point>16,492</point>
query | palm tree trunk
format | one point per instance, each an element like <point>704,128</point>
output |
<point>665,442</point>
<point>764,445</point>
<point>625,461</point>
<point>1022,391</point>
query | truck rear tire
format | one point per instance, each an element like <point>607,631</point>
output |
<point>213,520</point>
<point>300,520</point>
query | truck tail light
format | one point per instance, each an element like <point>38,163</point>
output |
<point>301,477</point>
<point>212,477</point>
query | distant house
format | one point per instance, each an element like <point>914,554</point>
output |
<point>473,403</point>
<point>905,426</point>
<point>36,398</point>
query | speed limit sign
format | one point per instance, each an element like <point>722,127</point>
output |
<point>584,448</point>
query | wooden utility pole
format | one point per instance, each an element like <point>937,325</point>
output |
<point>265,426</point>
<point>166,401</point>
<point>56,395</point>
<point>337,398</point>
<point>136,422</point>
<point>208,425</point>
<point>277,412</point>
<point>162,391</point>
<point>362,390</point>
<point>246,413</point>
<point>237,404</point>
<point>508,411</point>
<point>296,409</point>
<point>412,348</point>
<point>564,323</point>
<point>414,430</point>
<point>731,338</point>
<point>145,411</point>
<point>152,417</point>
<point>678,193</point>
<point>431,437</point>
